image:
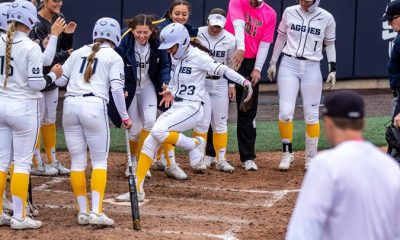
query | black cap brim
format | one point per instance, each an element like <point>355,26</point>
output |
<point>385,18</point>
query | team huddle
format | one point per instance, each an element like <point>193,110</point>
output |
<point>156,79</point>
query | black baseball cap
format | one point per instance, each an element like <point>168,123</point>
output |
<point>392,9</point>
<point>344,104</point>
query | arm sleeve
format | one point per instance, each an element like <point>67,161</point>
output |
<point>230,54</point>
<point>279,45</point>
<point>262,53</point>
<point>117,83</point>
<point>311,212</point>
<point>50,51</point>
<point>36,81</point>
<point>238,25</point>
<point>331,52</point>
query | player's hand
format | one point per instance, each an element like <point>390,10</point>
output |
<point>247,85</point>
<point>127,123</point>
<point>164,86</point>
<point>331,80</point>
<point>237,59</point>
<point>70,28</point>
<point>271,71</point>
<point>255,76</point>
<point>58,27</point>
<point>232,93</point>
<point>167,98</point>
<point>58,70</point>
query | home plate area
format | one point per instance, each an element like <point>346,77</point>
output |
<point>213,205</point>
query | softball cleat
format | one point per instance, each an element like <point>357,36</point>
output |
<point>27,223</point>
<point>224,166</point>
<point>210,161</point>
<point>44,170</point>
<point>100,220</point>
<point>5,219</point>
<point>83,218</point>
<point>60,168</point>
<point>175,172</point>
<point>287,159</point>
<point>250,165</point>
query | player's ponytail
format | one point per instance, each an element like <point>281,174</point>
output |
<point>9,41</point>
<point>196,43</point>
<point>89,68</point>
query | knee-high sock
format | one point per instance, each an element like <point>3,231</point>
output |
<point>144,165</point>
<point>49,141</point>
<point>3,181</point>
<point>220,141</point>
<point>133,147</point>
<point>169,154</point>
<point>78,184</point>
<point>36,154</point>
<point>286,131</point>
<point>159,153</point>
<point>19,192</point>
<point>98,186</point>
<point>198,134</point>
<point>143,136</point>
<point>312,137</point>
<point>313,130</point>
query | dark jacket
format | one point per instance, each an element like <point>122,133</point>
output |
<point>394,65</point>
<point>159,71</point>
<point>162,23</point>
<point>41,30</point>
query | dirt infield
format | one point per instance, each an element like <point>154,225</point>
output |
<point>214,205</point>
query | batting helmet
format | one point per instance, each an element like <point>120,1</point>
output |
<point>107,28</point>
<point>3,16</point>
<point>172,34</point>
<point>23,12</point>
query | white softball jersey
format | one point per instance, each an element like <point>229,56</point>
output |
<point>350,192</point>
<point>142,55</point>
<point>108,68</point>
<point>26,68</point>
<point>306,32</point>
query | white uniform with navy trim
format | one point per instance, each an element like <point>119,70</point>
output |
<point>19,108</point>
<point>85,118</point>
<point>349,192</point>
<point>216,101</point>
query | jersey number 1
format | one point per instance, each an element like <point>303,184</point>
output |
<point>83,66</point>
<point>2,67</point>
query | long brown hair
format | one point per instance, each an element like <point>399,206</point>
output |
<point>143,20</point>
<point>89,67</point>
<point>9,41</point>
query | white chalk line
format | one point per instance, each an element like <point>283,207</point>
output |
<point>113,202</point>
<point>277,196</point>
<point>50,183</point>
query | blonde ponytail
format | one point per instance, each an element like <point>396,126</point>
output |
<point>9,42</point>
<point>89,69</point>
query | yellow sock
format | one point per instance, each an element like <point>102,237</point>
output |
<point>159,153</point>
<point>3,181</point>
<point>19,192</point>
<point>197,134</point>
<point>220,141</point>
<point>49,141</point>
<point>286,131</point>
<point>35,160</point>
<point>134,147</point>
<point>98,185</point>
<point>313,130</point>
<point>143,135</point>
<point>11,171</point>
<point>78,184</point>
<point>143,166</point>
<point>169,154</point>
<point>172,138</point>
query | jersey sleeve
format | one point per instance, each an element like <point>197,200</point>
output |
<point>68,66</point>
<point>34,67</point>
<point>311,212</point>
<point>117,70</point>
<point>236,9</point>
<point>330,32</point>
<point>282,28</point>
<point>269,31</point>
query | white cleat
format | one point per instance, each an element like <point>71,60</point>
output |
<point>196,156</point>
<point>224,166</point>
<point>44,170</point>
<point>60,168</point>
<point>208,160</point>
<point>148,174</point>
<point>27,223</point>
<point>5,219</point>
<point>126,197</point>
<point>83,218</point>
<point>100,220</point>
<point>250,165</point>
<point>175,172</point>
<point>307,164</point>
<point>287,159</point>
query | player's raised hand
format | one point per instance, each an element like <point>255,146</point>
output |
<point>70,28</point>
<point>237,59</point>
<point>58,26</point>
<point>271,71</point>
<point>58,70</point>
<point>167,98</point>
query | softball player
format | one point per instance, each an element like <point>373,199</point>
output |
<point>304,31</point>
<point>186,90</point>
<point>90,71</point>
<point>50,10</point>
<point>21,80</point>
<point>221,45</point>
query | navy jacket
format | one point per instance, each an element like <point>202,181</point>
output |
<point>394,65</point>
<point>159,71</point>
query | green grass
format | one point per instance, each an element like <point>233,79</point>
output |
<point>267,136</point>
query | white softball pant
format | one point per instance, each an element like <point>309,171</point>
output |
<point>182,116</point>
<point>85,124</point>
<point>306,75</point>
<point>216,106</point>
<point>48,107</point>
<point>19,126</point>
<point>143,111</point>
